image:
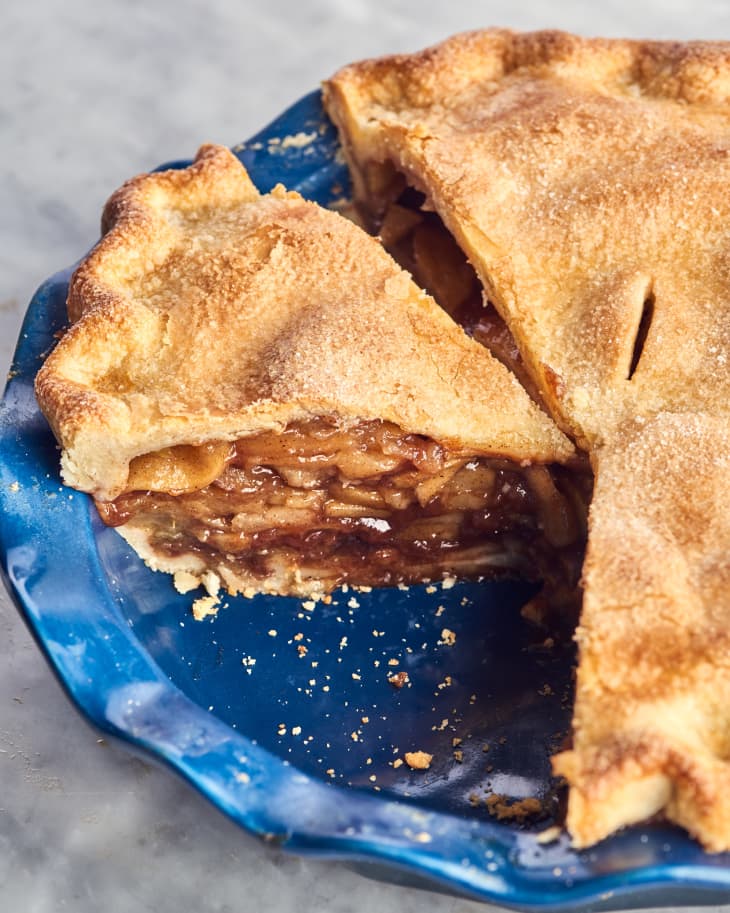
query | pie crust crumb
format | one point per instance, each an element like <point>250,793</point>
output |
<point>206,605</point>
<point>185,582</point>
<point>502,809</point>
<point>418,760</point>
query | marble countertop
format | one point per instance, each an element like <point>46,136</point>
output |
<point>93,93</point>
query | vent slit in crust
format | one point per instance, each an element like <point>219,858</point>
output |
<point>642,332</point>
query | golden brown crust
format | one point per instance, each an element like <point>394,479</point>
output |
<point>581,177</point>
<point>208,312</point>
<point>586,181</point>
<point>651,721</point>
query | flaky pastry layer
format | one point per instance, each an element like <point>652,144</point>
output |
<point>208,312</point>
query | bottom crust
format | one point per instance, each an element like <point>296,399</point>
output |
<point>287,576</point>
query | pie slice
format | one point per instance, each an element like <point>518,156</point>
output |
<point>256,394</point>
<point>586,183</point>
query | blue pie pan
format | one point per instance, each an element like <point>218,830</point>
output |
<point>281,713</point>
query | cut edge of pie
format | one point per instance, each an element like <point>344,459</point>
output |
<point>651,730</point>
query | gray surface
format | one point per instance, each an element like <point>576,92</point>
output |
<point>92,93</point>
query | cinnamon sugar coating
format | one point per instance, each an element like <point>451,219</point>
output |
<point>208,312</point>
<point>581,177</point>
<point>651,725</point>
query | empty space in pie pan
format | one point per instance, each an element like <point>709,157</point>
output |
<point>294,717</point>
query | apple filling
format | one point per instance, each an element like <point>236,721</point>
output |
<point>320,504</point>
<point>415,236</point>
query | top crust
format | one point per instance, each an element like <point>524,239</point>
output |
<point>209,312</point>
<point>582,177</point>
<point>652,727</point>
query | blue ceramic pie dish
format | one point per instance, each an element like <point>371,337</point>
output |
<point>282,714</point>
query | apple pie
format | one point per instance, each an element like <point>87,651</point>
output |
<point>581,185</point>
<point>258,396</point>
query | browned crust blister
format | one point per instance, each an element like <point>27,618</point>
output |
<point>587,182</point>
<point>208,312</point>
